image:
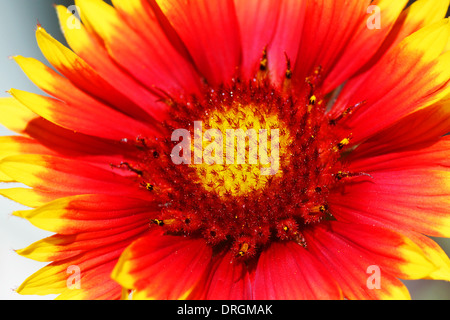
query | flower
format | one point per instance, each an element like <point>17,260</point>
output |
<point>339,204</point>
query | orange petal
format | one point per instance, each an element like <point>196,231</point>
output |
<point>158,266</point>
<point>88,47</point>
<point>84,77</point>
<point>418,130</point>
<point>148,56</point>
<point>70,177</point>
<point>352,266</point>
<point>89,213</point>
<point>410,77</point>
<point>78,111</point>
<point>92,269</point>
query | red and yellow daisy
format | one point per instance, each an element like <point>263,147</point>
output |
<point>348,176</point>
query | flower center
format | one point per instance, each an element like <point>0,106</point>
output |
<point>244,165</point>
<point>238,150</point>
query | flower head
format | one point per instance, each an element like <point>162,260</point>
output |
<point>235,149</point>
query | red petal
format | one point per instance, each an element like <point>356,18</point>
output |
<point>227,279</point>
<point>60,247</point>
<point>324,37</point>
<point>258,21</point>
<point>287,38</point>
<point>210,31</point>
<point>407,190</point>
<point>288,271</point>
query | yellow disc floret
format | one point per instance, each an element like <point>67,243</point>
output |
<point>238,150</point>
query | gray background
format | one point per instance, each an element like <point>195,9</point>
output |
<point>17,25</point>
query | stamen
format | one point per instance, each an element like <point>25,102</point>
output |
<point>341,175</point>
<point>264,61</point>
<point>347,112</point>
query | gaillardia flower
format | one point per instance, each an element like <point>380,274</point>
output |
<point>235,149</point>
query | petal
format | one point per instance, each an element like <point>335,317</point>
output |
<point>418,15</point>
<point>94,268</point>
<point>22,120</point>
<point>210,31</point>
<point>415,131</point>
<point>351,266</point>
<point>160,266</point>
<point>30,197</point>
<point>148,56</point>
<point>393,252</point>
<point>257,21</point>
<point>15,145</point>
<point>78,111</point>
<point>429,155</point>
<point>286,40</point>
<point>414,198</point>
<point>288,271</point>
<point>434,253</point>
<point>87,213</point>
<point>410,77</point>
<point>92,153</point>
<point>46,173</point>
<point>60,247</point>
<point>364,43</point>
<point>84,77</point>
<point>323,38</point>
<point>227,279</point>
<point>93,53</point>
<point>15,116</point>
<point>409,189</point>
<point>96,285</point>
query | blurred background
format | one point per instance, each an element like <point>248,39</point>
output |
<point>18,21</point>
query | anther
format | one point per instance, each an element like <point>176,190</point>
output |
<point>342,144</point>
<point>318,209</point>
<point>158,222</point>
<point>288,73</point>
<point>264,61</point>
<point>147,186</point>
<point>243,250</point>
